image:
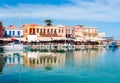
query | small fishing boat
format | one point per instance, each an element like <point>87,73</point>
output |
<point>113,45</point>
<point>13,46</point>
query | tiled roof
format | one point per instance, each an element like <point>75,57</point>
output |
<point>34,25</point>
<point>12,27</point>
<point>29,25</point>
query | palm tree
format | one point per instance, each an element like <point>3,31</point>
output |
<point>48,22</point>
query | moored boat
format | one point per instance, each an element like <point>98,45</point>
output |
<point>13,46</point>
<point>113,45</point>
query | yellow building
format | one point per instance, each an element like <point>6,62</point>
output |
<point>30,29</point>
<point>44,32</point>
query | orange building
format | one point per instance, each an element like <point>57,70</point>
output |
<point>30,29</point>
<point>44,32</point>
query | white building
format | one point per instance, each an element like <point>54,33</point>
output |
<point>101,35</point>
<point>13,31</point>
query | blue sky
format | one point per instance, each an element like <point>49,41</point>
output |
<point>103,14</point>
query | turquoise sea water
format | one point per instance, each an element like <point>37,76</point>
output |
<point>84,66</point>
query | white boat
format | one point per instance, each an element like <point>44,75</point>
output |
<point>13,46</point>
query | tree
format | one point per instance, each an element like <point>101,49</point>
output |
<point>48,22</point>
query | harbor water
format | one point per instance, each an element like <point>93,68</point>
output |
<point>83,66</point>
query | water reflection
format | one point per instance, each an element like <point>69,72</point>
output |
<point>84,57</point>
<point>13,57</point>
<point>36,59</point>
<point>1,63</point>
<point>49,60</point>
<point>93,65</point>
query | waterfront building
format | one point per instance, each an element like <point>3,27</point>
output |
<point>78,31</point>
<point>90,33</point>
<point>1,29</point>
<point>35,32</point>
<point>70,32</point>
<point>13,31</point>
<point>86,33</point>
<point>101,35</point>
<point>44,33</point>
<point>52,32</point>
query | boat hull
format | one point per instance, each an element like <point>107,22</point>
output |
<point>13,47</point>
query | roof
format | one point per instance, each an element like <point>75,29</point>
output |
<point>13,27</point>
<point>34,25</point>
<point>31,25</point>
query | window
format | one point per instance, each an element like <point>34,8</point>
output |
<point>18,33</point>
<point>48,31</point>
<point>5,33</point>
<point>13,33</point>
<point>37,30</point>
<point>51,31</point>
<point>40,31</point>
<point>59,30</point>
<point>55,31</point>
<point>44,31</point>
<point>33,31</point>
<point>30,31</point>
<point>62,30</point>
<point>10,33</point>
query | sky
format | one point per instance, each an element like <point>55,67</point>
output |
<point>102,14</point>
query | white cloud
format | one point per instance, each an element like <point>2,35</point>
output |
<point>96,10</point>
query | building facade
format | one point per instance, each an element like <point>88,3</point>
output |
<point>59,32</point>
<point>101,35</point>
<point>44,32</point>
<point>86,33</point>
<point>13,31</point>
<point>90,32</point>
<point>78,31</point>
